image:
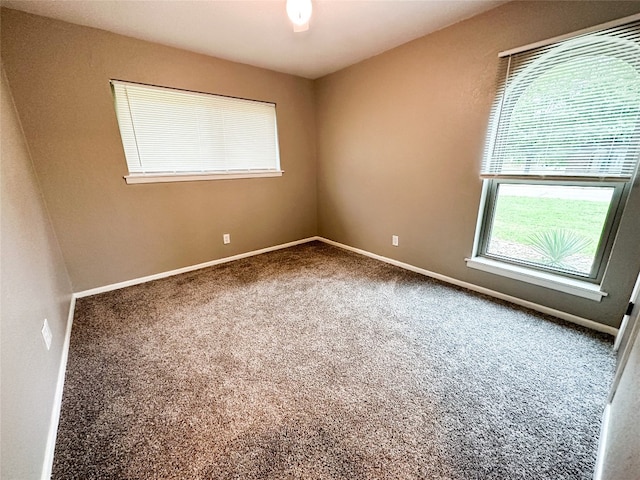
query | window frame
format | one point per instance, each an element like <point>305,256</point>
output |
<point>176,174</point>
<point>607,237</point>
<point>587,286</point>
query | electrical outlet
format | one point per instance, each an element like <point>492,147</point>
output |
<point>46,334</point>
<point>394,240</point>
<point>226,238</point>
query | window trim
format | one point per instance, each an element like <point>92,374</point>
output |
<point>140,178</point>
<point>578,288</point>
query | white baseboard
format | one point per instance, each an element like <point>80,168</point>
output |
<point>470,286</point>
<point>602,443</point>
<point>47,466</point>
<point>190,268</point>
<point>492,293</point>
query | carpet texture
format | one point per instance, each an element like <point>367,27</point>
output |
<point>317,363</point>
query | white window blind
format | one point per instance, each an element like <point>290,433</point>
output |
<point>569,109</point>
<point>169,131</point>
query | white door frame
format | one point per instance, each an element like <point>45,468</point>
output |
<point>626,336</point>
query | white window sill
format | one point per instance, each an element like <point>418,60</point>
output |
<point>192,177</point>
<point>548,280</point>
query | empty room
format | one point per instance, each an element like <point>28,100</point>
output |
<point>320,239</point>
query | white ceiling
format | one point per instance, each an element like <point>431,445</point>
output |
<point>258,32</point>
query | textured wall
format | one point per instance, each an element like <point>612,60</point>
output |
<point>109,231</point>
<point>34,286</point>
<point>400,140</point>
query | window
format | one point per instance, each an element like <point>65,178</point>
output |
<point>174,135</point>
<point>562,149</point>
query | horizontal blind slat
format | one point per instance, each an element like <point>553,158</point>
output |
<point>569,109</point>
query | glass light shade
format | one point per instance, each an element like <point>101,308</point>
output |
<point>299,12</point>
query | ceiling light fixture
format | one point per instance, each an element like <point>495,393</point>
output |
<point>299,12</point>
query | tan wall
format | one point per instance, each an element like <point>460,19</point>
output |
<point>400,140</point>
<point>34,286</point>
<point>109,231</point>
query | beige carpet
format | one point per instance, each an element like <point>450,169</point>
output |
<point>316,363</point>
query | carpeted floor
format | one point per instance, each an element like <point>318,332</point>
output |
<point>316,363</point>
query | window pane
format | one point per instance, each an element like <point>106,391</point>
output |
<point>553,226</point>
